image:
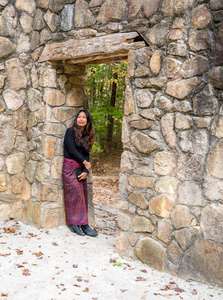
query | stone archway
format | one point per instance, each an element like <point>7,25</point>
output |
<point>72,56</point>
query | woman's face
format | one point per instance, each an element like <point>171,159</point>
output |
<point>82,119</point>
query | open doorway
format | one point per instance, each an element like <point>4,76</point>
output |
<point>106,87</point>
<point>72,57</point>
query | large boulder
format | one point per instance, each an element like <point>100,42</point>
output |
<point>151,252</point>
<point>203,262</point>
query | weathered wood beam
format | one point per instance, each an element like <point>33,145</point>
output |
<point>92,59</point>
<point>103,61</point>
<point>111,45</point>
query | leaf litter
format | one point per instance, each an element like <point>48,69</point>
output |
<point>9,230</point>
<point>171,289</point>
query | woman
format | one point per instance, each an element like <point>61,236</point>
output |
<point>77,145</point>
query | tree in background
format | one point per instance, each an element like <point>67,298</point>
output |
<point>106,86</point>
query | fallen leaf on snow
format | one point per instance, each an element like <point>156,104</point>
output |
<point>26,272</point>
<point>140,279</point>
<point>173,287</point>
<point>9,230</point>
<point>128,265</point>
<point>20,266</point>
<point>19,252</point>
<point>194,292</point>
<point>32,235</point>
<point>117,264</point>
<point>38,254</point>
<point>75,266</point>
<point>144,271</point>
<point>179,290</point>
<point>86,290</point>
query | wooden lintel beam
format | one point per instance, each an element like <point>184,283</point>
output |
<point>82,49</point>
<point>109,57</point>
<point>103,61</point>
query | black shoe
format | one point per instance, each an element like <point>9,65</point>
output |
<point>76,229</point>
<point>88,230</point>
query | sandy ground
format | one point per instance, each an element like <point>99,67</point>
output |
<point>57,264</point>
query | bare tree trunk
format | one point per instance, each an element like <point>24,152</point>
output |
<point>110,118</point>
<point>101,93</point>
<point>92,91</point>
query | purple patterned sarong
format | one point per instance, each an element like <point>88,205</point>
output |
<point>75,194</point>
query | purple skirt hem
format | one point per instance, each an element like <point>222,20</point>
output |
<point>75,194</point>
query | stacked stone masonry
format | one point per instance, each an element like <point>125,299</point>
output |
<point>171,181</point>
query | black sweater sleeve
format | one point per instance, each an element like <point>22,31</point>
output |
<point>72,151</point>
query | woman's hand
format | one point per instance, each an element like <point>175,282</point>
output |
<point>82,176</point>
<point>87,165</point>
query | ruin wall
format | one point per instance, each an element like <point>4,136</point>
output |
<point>171,181</point>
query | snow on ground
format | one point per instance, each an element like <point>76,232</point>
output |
<point>57,264</point>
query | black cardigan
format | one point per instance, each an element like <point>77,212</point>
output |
<point>72,150</point>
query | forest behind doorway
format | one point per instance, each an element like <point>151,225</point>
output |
<point>106,87</point>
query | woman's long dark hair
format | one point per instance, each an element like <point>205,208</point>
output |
<point>83,138</point>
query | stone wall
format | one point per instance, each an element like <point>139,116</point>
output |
<point>171,182</point>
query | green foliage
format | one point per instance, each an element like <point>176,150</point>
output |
<point>96,148</point>
<point>99,118</point>
<point>117,264</point>
<point>100,79</point>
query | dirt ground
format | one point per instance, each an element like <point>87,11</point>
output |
<point>105,205</point>
<point>107,164</point>
<point>106,192</point>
